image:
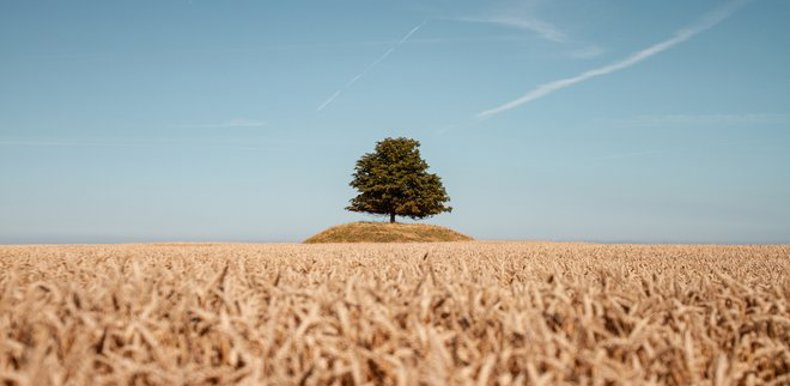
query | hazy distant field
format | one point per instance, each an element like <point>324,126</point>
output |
<point>464,313</point>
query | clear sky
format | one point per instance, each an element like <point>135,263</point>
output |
<point>646,121</point>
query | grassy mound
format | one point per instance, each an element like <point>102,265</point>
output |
<point>374,232</point>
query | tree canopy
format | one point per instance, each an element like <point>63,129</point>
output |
<point>394,180</point>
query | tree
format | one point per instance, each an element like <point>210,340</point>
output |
<point>394,181</point>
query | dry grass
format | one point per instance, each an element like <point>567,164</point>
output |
<point>449,313</point>
<point>377,232</point>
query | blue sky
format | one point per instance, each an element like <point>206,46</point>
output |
<point>242,120</point>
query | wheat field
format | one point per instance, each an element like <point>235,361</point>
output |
<point>466,313</point>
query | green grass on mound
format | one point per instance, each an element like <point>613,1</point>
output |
<point>374,232</point>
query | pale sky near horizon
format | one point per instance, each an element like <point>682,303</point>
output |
<point>202,120</point>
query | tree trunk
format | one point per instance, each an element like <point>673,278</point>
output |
<point>392,218</point>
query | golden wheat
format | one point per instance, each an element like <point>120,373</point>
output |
<point>477,313</point>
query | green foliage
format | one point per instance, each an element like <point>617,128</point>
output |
<point>394,181</point>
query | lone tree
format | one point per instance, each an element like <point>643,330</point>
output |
<point>394,181</point>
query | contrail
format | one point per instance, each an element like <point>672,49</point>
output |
<point>369,67</point>
<point>708,21</point>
